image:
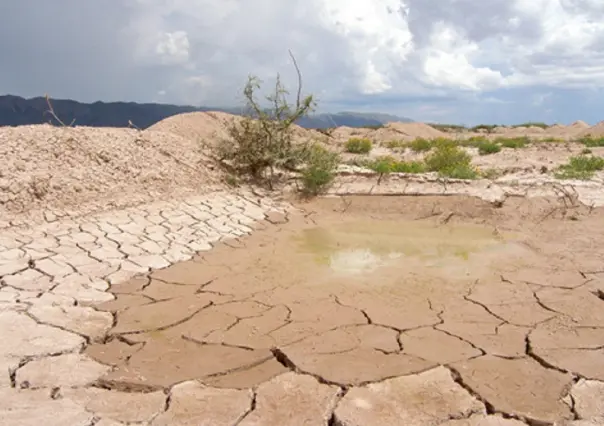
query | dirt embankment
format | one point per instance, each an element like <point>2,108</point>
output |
<point>83,169</point>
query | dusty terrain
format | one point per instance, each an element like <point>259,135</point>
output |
<point>136,289</point>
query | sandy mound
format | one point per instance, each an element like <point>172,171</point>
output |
<point>416,130</point>
<point>535,129</point>
<point>595,131</point>
<point>86,169</point>
<point>580,124</point>
<point>344,133</point>
<point>205,127</point>
<point>209,128</point>
<point>386,134</point>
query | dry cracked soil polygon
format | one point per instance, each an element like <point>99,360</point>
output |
<point>443,311</point>
<point>485,333</point>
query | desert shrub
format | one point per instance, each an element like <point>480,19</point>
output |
<point>552,139</point>
<point>262,141</point>
<point>487,127</point>
<point>451,161</point>
<point>486,148</point>
<point>319,170</point>
<point>448,127</point>
<point>592,141</point>
<point>408,167</point>
<point>388,164</point>
<point>395,144</point>
<point>473,141</point>
<point>358,146</point>
<point>586,151</point>
<point>582,167</point>
<point>420,145</point>
<point>519,142</point>
<point>532,124</point>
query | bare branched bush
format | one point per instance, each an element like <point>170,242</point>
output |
<point>262,142</point>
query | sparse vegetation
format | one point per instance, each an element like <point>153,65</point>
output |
<point>451,161</point>
<point>262,142</point>
<point>514,143</point>
<point>359,146</point>
<point>421,145</point>
<point>488,147</point>
<point>552,139</point>
<point>448,127</point>
<point>532,124</point>
<point>320,170</point>
<point>582,167</point>
<point>395,144</point>
<point>487,127</point>
<point>388,164</point>
<point>592,141</point>
<point>473,141</point>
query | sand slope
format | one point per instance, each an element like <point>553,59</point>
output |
<point>86,168</point>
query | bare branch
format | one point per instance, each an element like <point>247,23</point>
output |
<point>51,111</point>
<point>299,94</point>
<point>132,125</point>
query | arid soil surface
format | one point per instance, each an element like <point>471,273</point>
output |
<point>135,289</point>
<point>346,311</point>
<point>378,311</point>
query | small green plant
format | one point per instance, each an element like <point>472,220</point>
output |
<point>421,145</point>
<point>582,167</point>
<point>408,167</point>
<point>552,139</point>
<point>586,151</point>
<point>395,144</point>
<point>532,124</point>
<point>592,141</point>
<point>487,127</point>
<point>319,171</point>
<point>448,127</point>
<point>474,141</point>
<point>388,164</point>
<point>451,161</point>
<point>514,143</point>
<point>486,148</point>
<point>358,146</point>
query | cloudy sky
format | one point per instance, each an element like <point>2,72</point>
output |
<point>462,61</point>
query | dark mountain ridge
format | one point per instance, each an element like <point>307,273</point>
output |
<point>17,111</point>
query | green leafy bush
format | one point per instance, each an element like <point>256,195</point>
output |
<point>582,167</point>
<point>320,170</point>
<point>358,146</point>
<point>262,141</point>
<point>451,161</point>
<point>388,164</point>
<point>486,148</point>
<point>519,142</point>
<point>592,141</point>
<point>421,145</point>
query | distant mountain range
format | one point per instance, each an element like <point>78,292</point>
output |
<point>15,111</point>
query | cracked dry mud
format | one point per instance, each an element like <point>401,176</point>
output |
<point>232,309</point>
